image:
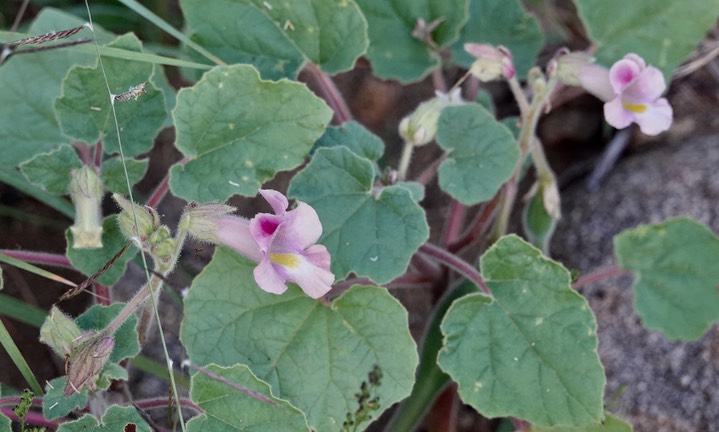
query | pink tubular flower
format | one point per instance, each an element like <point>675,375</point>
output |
<point>287,241</point>
<point>283,243</point>
<point>632,91</point>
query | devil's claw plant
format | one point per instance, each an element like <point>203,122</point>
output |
<point>293,325</point>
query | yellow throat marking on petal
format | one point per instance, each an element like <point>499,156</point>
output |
<point>285,260</point>
<point>635,108</point>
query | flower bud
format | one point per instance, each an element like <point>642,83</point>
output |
<point>201,221</point>
<point>541,213</point>
<point>147,218</point>
<point>59,331</point>
<point>86,192</point>
<point>492,62</point>
<point>87,360</point>
<point>568,66</point>
<point>420,127</point>
<point>161,245</point>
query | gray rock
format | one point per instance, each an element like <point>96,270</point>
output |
<point>656,384</point>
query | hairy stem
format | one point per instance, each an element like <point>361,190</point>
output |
<point>457,264</point>
<point>330,94</point>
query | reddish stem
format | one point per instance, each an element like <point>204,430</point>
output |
<point>163,403</point>
<point>102,294</point>
<point>477,227</point>
<point>159,193</point>
<point>84,152</point>
<point>599,275</point>
<point>330,94</point>
<point>14,400</point>
<point>471,89</point>
<point>457,211</point>
<point>430,171</point>
<point>161,190</point>
<point>457,264</point>
<point>440,84</point>
<point>39,258</point>
<point>31,417</point>
<point>443,414</point>
<point>98,154</point>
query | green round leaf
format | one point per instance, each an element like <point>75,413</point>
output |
<point>531,351</point>
<point>278,36</point>
<point>501,22</point>
<point>51,171</point>
<point>482,153</point>
<point>239,131</point>
<point>663,32</point>
<point>312,355</point>
<point>393,51</point>
<point>370,232</point>
<point>676,279</point>
<point>227,408</point>
<point>89,261</point>
<point>84,111</point>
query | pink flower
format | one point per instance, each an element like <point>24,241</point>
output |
<point>287,241</point>
<point>632,91</point>
<point>283,243</point>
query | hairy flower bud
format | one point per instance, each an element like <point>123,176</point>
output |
<point>59,331</point>
<point>201,221</point>
<point>420,127</point>
<point>491,62</point>
<point>87,360</point>
<point>86,192</point>
<point>568,65</point>
<point>147,218</point>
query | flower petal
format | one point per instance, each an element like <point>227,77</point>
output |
<point>234,231</point>
<point>300,229</point>
<point>616,115</point>
<point>595,79</point>
<point>263,228</point>
<point>656,119</point>
<point>276,199</point>
<point>648,86</point>
<point>311,273</point>
<point>623,73</point>
<point>268,278</point>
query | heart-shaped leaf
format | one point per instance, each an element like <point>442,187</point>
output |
<point>277,37</point>
<point>314,356</point>
<point>370,232</point>
<point>84,111</point>
<point>529,352</point>
<point>676,275</point>
<point>239,131</point>
<point>482,153</point>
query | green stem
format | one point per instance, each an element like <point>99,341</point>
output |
<point>404,161</point>
<point>526,139</point>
